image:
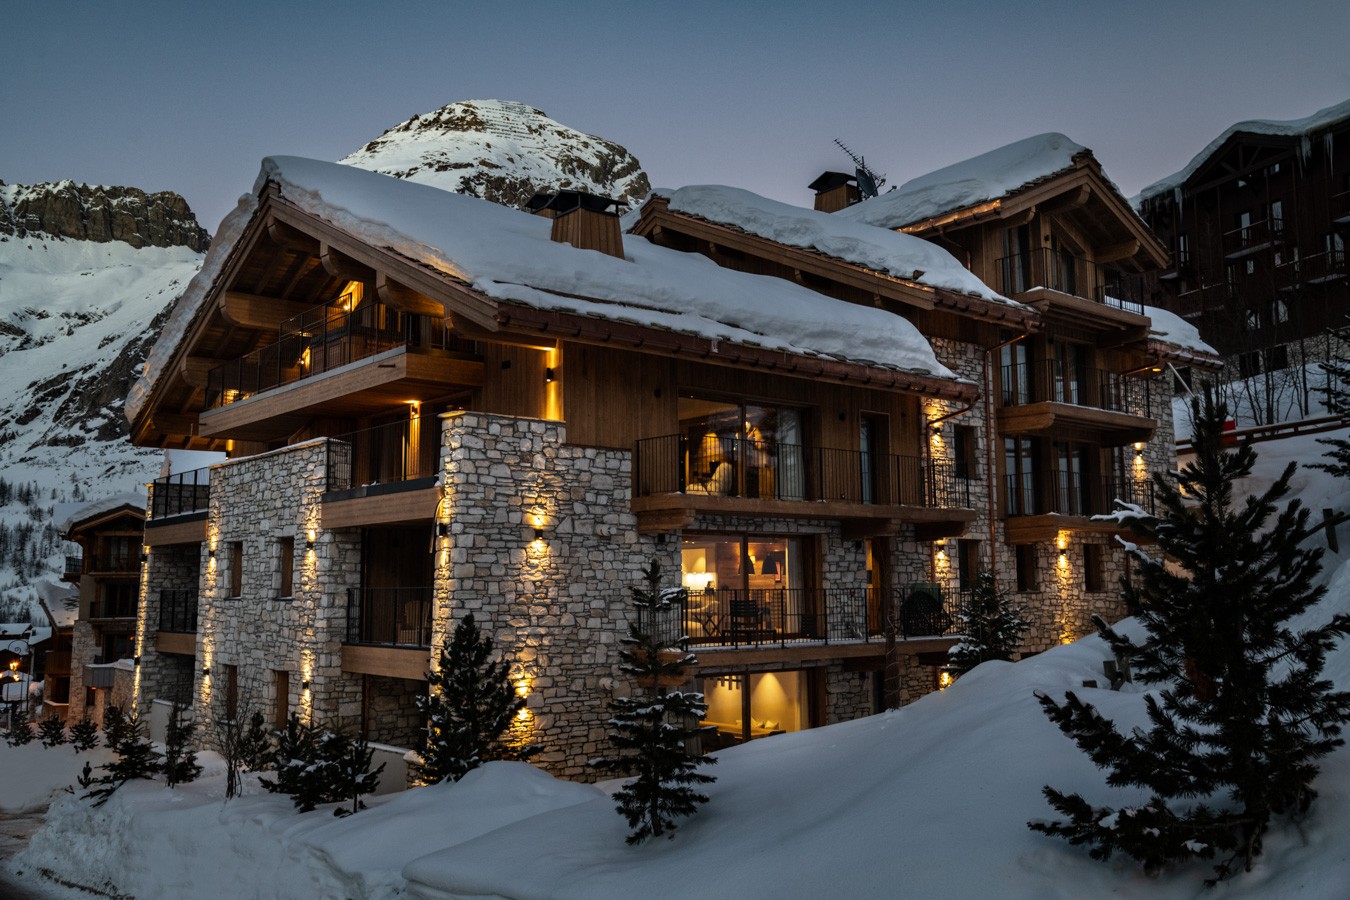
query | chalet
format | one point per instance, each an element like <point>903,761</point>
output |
<point>107,573</point>
<point>433,405</point>
<point>1257,225</point>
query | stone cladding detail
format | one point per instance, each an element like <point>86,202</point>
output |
<point>171,572</point>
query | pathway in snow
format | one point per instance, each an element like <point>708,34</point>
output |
<point>15,830</point>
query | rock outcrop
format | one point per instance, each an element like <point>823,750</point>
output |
<point>99,213</point>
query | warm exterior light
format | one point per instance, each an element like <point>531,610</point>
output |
<point>538,533</point>
<point>14,665</point>
<point>206,672</point>
<point>945,678</point>
<point>548,375</point>
<point>135,660</point>
<point>1139,448</point>
<point>211,552</point>
<point>304,685</point>
<point>442,529</point>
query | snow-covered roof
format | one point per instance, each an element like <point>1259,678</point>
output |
<point>88,511</point>
<point>988,176</point>
<point>1291,128</point>
<point>62,601</point>
<point>1170,328</point>
<point>509,256</point>
<point>879,249</point>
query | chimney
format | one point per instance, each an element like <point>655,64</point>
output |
<point>835,190</point>
<point>583,220</point>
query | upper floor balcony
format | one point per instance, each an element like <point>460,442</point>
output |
<point>677,476</point>
<point>1024,275</point>
<point>177,632</point>
<point>1045,396</point>
<point>1253,236</point>
<point>178,507</point>
<point>333,361</point>
<point>383,474</point>
<point>1040,505</point>
<point>1316,268</point>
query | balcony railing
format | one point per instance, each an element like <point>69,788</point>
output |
<point>400,451</point>
<point>74,564</point>
<point>1340,206</point>
<point>126,561</point>
<point>399,617</point>
<point>783,617</point>
<point>120,608</point>
<point>180,494</point>
<point>1069,493</point>
<point>1253,236</point>
<point>738,467</point>
<point>1311,269</point>
<point>178,611</point>
<point>324,339</point>
<point>1071,275</point>
<point>1049,380</point>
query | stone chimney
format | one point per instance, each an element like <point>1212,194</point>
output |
<point>583,220</point>
<point>835,191</point>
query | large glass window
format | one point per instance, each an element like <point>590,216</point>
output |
<point>745,707</point>
<point>1018,469</point>
<point>746,588</point>
<point>742,449</point>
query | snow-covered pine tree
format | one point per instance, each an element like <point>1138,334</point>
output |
<point>469,708</point>
<point>136,758</point>
<point>298,766</point>
<point>991,628</point>
<point>116,726</point>
<point>84,735</point>
<point>650,731</point>
<point>351,769</point>
<point>1337,392</point>
<point>180,761</point>
<point>20,729</point>
<point>52,731</point>
<point>1242,713</point>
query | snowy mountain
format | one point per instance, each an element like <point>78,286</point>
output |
<point>85,272</point>
<point>501,151</point>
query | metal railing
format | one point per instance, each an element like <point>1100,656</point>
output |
<point>781,617</point>
<point>178,611</point>
<point>1314,268</point>
<point>1253,235</point>
<point>1048,380</point>
<point>399,617</point>
<point>180,494</point>
<point>1069,493</point>
<point>74,564</point>
<point>127,561</point>
<point>323,339</point>
<point>739,467</point>
<point>1073,275</point>
<point>118,608</point>
<point>400,451</point>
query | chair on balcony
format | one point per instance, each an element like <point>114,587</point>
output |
<point>746,620</point>
<point>922,613</point>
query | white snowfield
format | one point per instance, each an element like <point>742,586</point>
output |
<point>928,801</point>
<point>508,255</point>
<point>988,176</point>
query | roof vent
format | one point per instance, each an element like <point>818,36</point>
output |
<point>583,220</point>
<point>835,191</point>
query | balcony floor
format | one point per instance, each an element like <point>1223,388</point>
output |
<point>675,512</point>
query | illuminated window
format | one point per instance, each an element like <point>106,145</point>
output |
<point>774,703</point>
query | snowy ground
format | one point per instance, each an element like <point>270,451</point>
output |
<point>927,801</point>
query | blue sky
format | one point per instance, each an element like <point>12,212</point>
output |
<point>189,96</point>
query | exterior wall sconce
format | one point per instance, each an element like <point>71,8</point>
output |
<point>442,529</point>
<point>211,552</point>
<point>941,545</point>
<point>309,542</point>
<point>936,427</point>
<point>304,685</point>
<point>135,660</point>
<point>538,534</point>
<point>145,554</point>
<point>206,672</point>
<point>1139,449</point>
<point>548,375</point>
<point>1063,554</point>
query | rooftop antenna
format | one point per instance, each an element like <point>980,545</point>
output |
<point>869,181</point>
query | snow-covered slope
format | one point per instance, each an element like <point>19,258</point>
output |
<point>75,322</point>
<point>501,151</point>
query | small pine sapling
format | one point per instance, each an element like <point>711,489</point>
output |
<point>52,731</point>
<point>136,758</point>
<point>352,775</point>
<point>246,745</point>
<point>84,735</point>
<point>992,628</point>
<point>651,730</point>
<point>180,761</point>
<point>1337,392</point>
<point>116,726</point>
<point>1242,714</point>
<point>469,708</point>
<point>20,729</point>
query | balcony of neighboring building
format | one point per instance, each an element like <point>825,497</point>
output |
<point>115,607</point>
<point>58,663</point>
<point>678,476</point>
<point>384,474</point>
<point>177,631</point>
<point>388,631</point>
<point>1340,208</point>
<point>1251,237</point>
<point>1074,288</point>
<point>1069,399</point>
<point>178,508</point>
<point>1039,506</point>
<point>1315,268</point>
<point>74,568</point>
<point>335,361</point>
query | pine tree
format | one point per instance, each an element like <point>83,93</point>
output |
<point>351,769</point>
<point>316,765</point>
<point>136,757</point>
<point>1242,714</point>
<point>650,731</point>
<point>1337,392</point>
<point>245,748</point>
<point>992,628</point>
<point>52,731</point>
<point>84,735</point>
<point>469,708</point>
<point>180,762</point>
<point>20,729</point>
<point>116,726</point>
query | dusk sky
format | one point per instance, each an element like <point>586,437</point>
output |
<point>188,96</point>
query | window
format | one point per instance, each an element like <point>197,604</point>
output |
<point>1015,374</point>
<point>755,705</point>
<point>966,451</point>
<point>1072,486</point>
<point>1279,312</point>
<point>1183,250</point>
<point>236,569</point>
<point>1092,568</point>
<point>742,449</point>
<point>283,691</point>
<point>117,600</point>
<point>1277,357</point>
<point>286,566</point>
<point>116,646</point>
<point>1069,370</point>
<point>967,564</point>
<point>1015,266</point>
<point>747,587</point>
<point>1018,468</point>
<point>1028,574</point>
<point>1276,216</point>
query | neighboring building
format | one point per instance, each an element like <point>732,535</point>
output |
<point>435,405</point>
<point>1257,225</point>
<point>108,573</point>
<point>22,647</point>
<point>61,605</point>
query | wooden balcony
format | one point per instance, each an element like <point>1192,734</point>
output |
<point>1075,403</point>
<point>1038,509</point>
<point>677,477</point>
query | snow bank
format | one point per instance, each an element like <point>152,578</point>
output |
<point>985,177</point>
<point>32,775</point>
<point>879,249</point>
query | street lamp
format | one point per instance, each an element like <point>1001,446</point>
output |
<point>18,648</point>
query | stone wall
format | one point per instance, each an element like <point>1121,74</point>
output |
<point>557,605</point>
<point>392,713</point>
<point>165,676</point>
<point>83,651</point>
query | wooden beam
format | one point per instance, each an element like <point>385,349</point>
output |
<point>1071,200</point>
<point>196,369</point>
<point>171,423</point>
<point>340,265</point>
<point>1117,252</point>
<point>256,311</point>
<point>289,236</point>
<point>405,299</point>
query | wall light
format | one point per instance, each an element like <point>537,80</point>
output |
<point>135,660</point>
<point>211,552</point>
<point>538,533</point>
<point>1139,449</point>
<point>309,539</point>
<point>548,375</point>
<point>442,529</point>
<point>304,685</point>
<point>206,672</point>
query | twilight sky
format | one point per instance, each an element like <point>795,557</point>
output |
<point>189,96</point>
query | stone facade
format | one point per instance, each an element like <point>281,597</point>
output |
<point>173,574</point>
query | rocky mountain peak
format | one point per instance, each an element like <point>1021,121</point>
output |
<point>100,214</point>
<point>501,151</point>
